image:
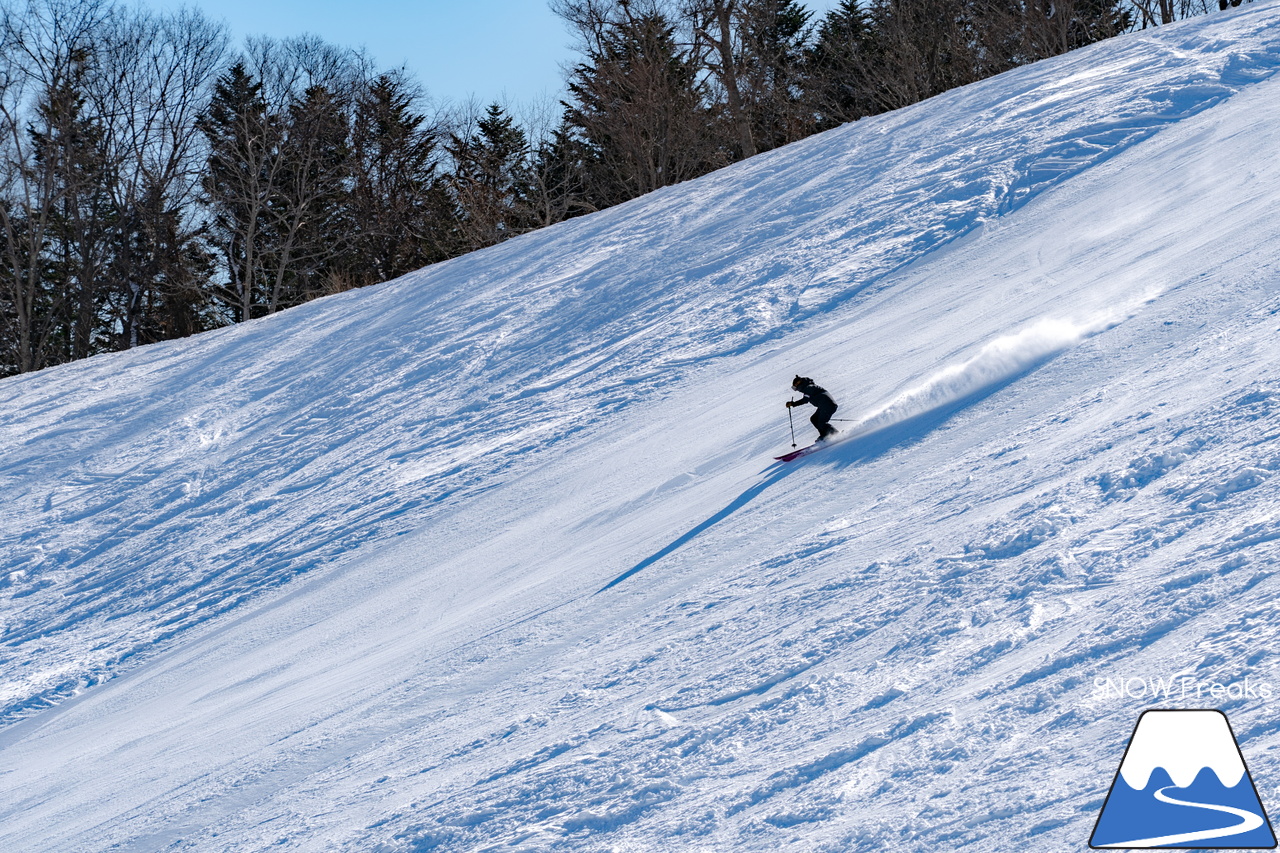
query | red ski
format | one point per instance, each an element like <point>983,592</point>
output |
<point>804,451</point>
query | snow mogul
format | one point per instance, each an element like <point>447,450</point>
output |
<point>819,399</point>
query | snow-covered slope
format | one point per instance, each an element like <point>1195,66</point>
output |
<point>495,556</point>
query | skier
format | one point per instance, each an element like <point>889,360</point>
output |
<point>819,398</point>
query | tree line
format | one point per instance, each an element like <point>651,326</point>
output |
<point>155,183</point>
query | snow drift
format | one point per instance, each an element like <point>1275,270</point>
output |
<point>998,362</point>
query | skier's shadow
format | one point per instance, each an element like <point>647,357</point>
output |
<point>863,447</point>
<point>855,449</point>
<point>736,504</point>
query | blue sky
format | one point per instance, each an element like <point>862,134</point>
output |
<point>510,51</point>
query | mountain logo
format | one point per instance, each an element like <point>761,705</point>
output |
<point>1183,783</point>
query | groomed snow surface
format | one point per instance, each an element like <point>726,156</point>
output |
<point>495,556</point>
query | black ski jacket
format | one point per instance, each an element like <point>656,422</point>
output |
<point>815,396</point>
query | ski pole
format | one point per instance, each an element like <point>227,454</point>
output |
<point>793,426</point>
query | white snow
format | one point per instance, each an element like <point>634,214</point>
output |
<point>1002,360</point>
<point>495,557</point>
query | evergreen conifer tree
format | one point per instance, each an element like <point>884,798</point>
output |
<point>70,156</point>
<point>240,184</point>
<point>491,182</point>
<point>774,35</point>
<point>398,207</point>
<point>558,177</point>
<point>638,105</point>
<point>310,222</point>
<point>835,67</point>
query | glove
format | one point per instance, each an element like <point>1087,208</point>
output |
<point>790,403</point>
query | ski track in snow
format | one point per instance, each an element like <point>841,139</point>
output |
<point>362,416</point>
<point>491,557</point>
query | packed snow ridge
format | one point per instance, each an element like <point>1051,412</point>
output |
<point>496,556</point>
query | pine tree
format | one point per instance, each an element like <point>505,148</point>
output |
<point>835,67</point>
<point>491,182</point>
<point>164,273</point>
<point>774,35</point>
<point>71,158</point>
<point>1094,20</point>
<point>919,48</point>
<point>398,209</point>
<point>638,106</point>
<point>558,177</point>
<point>240,183</point>
<point>154,76</point>
<point>310,223</point>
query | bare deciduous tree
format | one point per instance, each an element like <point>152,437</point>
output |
<point>718,46</point>
<point>45,48</point>
<point>163,68</point>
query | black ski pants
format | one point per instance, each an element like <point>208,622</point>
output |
<point>821,419</point>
